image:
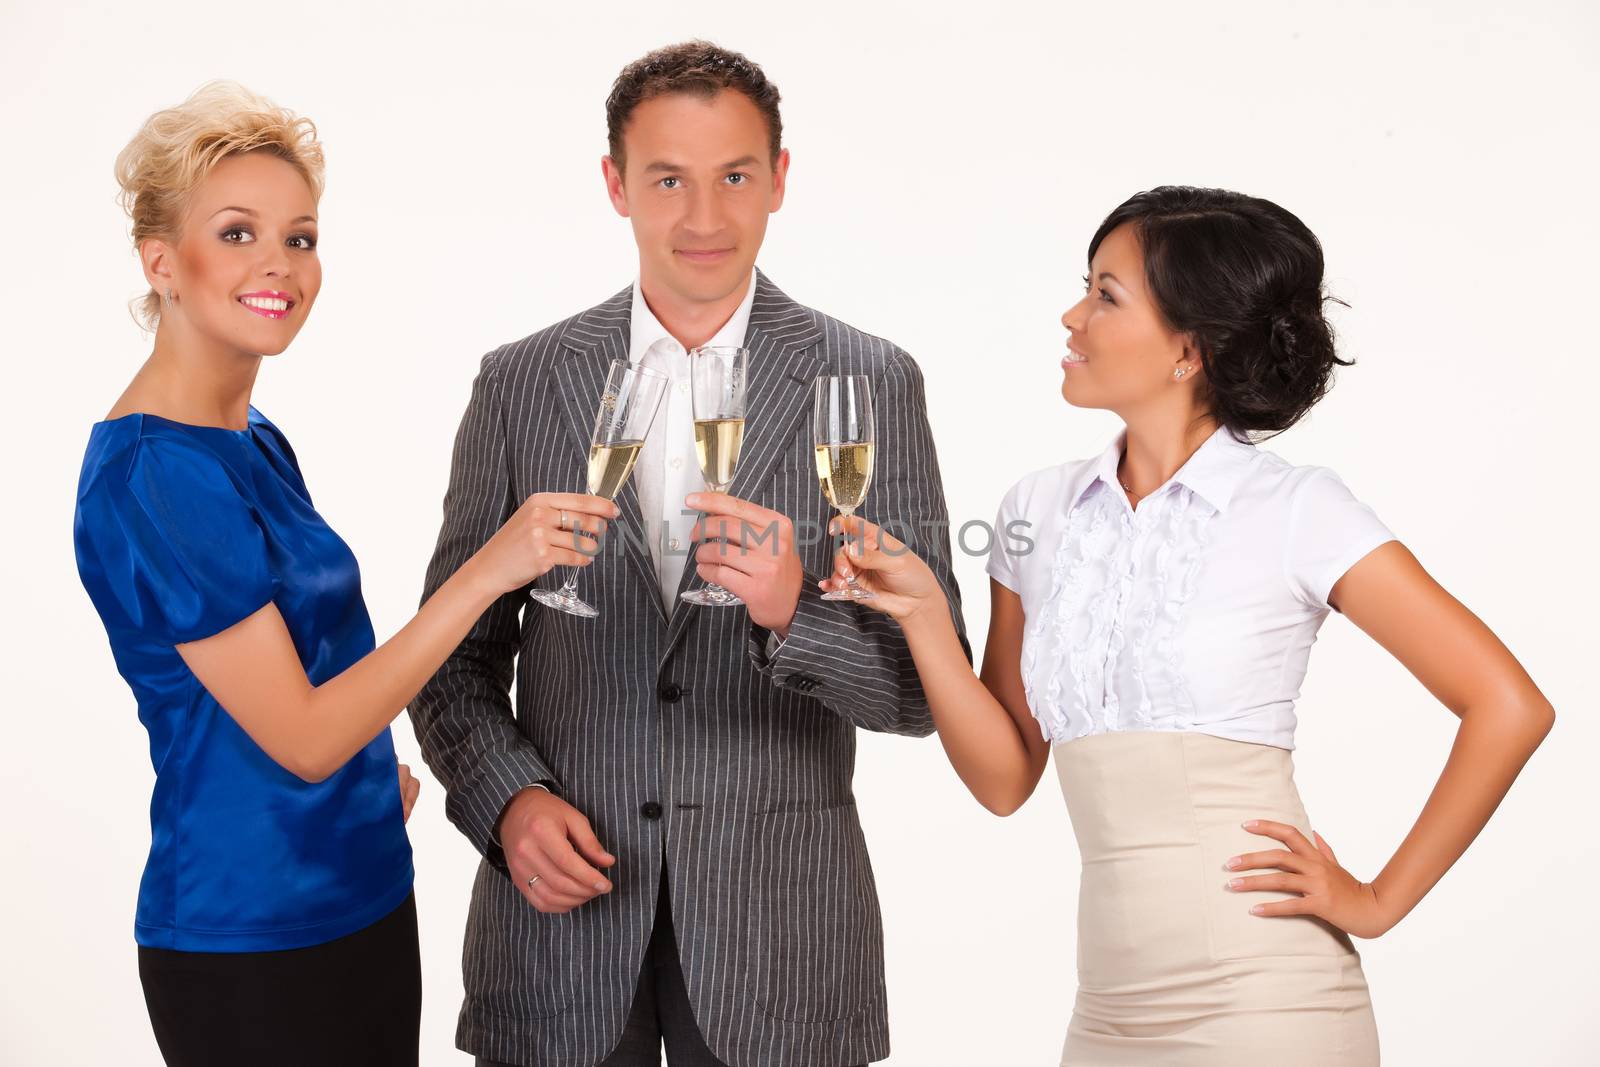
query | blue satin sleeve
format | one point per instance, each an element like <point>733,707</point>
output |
<point>167,546</point>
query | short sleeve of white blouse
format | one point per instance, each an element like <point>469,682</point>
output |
<point>1329,531</point>
<point>1004,547</point>
<point>1196,610</point>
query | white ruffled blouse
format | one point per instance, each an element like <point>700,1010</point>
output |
<point>1197,610</point>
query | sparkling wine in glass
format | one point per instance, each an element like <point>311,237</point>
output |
<point>628,406</point>
<point>843,434</point>
<point>716,381</point>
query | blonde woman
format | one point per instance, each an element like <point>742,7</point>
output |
<point>1153,611</point>
<point>275,921</point>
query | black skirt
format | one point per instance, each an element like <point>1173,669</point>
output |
<point>353,1001</point>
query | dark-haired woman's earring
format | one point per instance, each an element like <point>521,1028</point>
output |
<point>1176,374</point>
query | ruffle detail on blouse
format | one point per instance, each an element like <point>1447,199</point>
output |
<point>1062,672</point>
<point>1183,533</point>
<point>1097,612</point>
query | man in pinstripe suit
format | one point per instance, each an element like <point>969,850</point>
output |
<point>671,847</point>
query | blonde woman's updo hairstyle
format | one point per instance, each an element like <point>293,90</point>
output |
<point>176,149</point>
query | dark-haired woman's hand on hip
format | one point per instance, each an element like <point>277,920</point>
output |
<point>1326,889</point>
<point>902,585</point>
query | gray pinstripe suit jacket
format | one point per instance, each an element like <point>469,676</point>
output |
<point>675,735</point>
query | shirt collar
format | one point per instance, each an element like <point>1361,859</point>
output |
<point>1213,472</point>
<point>645,329</point>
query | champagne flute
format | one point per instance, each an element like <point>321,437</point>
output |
<point>628,406</point>
<point>842,432</point>
<point>717,377</point>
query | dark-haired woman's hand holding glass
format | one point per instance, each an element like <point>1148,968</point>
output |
<point>842,426</point>
<point>900,584</point>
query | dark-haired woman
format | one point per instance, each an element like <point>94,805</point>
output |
<point>1156,636</point>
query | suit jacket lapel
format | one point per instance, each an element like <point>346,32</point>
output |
<point>785,358</point>
<point>594,339</point>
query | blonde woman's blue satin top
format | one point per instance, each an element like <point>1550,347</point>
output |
<point>182,531</point>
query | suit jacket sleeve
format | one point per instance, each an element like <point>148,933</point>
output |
<point>851,658</point>
<point>463,716</point>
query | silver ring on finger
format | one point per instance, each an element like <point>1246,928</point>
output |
<point>534,881</point>
<point>561,522</point>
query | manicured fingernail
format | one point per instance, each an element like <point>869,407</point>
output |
<point>1236,883</point>
<point>1231,864</point>
<point>601,887</point>
<point>1252,824</point>
<point>1256,910</point>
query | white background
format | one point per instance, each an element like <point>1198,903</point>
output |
<point>949,168</point>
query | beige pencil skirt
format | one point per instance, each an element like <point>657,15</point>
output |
<point>1172,967</point>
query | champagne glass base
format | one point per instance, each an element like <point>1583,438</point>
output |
<point>570,603</point>
<point>712,596</point>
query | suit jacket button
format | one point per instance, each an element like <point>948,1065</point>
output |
<point>671,692</point>
<point>650,809</point>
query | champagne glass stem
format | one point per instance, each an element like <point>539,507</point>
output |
<point>570,586</point>
<point>850,575</point>
<point>712,588</point>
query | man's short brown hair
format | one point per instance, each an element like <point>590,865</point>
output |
<point>699,68</point>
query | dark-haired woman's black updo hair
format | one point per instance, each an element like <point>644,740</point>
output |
<point>1243,277</point>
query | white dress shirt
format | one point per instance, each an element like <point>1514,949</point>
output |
<point>1197,610</point>
<point>668,469</point>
